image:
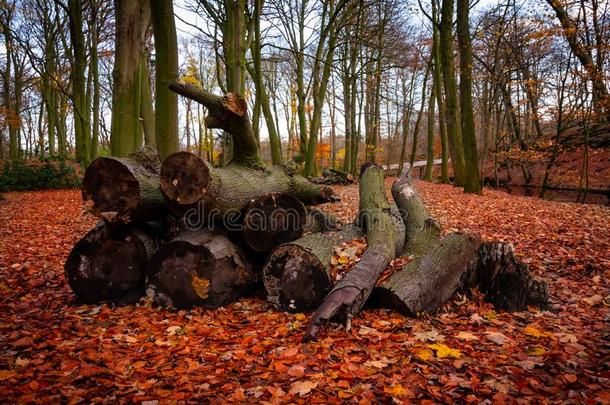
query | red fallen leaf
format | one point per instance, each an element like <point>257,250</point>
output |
<point>239,395</point>
<point>23,343</point>
<point>290,352</point>
<point>570,378</point>
<point>296,371</point>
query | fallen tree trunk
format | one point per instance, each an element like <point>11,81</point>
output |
<point>385,236</point>
<point>273,219</point>
<point>457,262</point>
<point>109,263</point>
<point>187,179</point>
<point>125,189</point>
<point>199,268</point>
<point>297,275</point>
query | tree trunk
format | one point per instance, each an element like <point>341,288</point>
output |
<point>454,131</point>
<point>109,263</point>
<point>199,269</point>
<point>472,183</point>
<point>187,179</point>
<point>166,72</point>
<point>297,275</point>
<point>132,22</point>
<point>458,262</point>
<point>273,219</point>
<point>385,236</point>
<point>125,189</point>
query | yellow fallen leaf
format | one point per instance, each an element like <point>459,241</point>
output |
<point>423,353</point>
<point>531,331</point>
<point>201,285</point>
<point>302,387</point>
<point>443,351</point>
<point>398,391</point>
<point>536,351</point>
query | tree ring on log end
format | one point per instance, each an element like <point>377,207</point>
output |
<point>295,279</point>
<point>111,187</point>
<point>272,220</point>
<point>184,178</point>
<point>107,264</point>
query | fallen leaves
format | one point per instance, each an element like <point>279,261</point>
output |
<point>302,388</point>
<point>57,348</point>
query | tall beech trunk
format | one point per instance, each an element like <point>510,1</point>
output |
<point>385,234</point>
<point>125,189</point>
<point>133,20</point>
<point>199,269</point>
<point>166,72</point>
<point>109,263</point>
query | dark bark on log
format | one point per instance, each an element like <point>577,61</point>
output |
<point>297,275</point>
<point>187,179</point>
<point>385,236</point>
<point>506,282</point>
<point>125,189</point>
<point>109,263</point>
<point>320,221</point>
<point>199,269</point>
<point>273,219</point>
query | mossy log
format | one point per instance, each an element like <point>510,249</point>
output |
<point>385,237</point>
<point>297,274</point>
<point>125,189</point>
<point>200,268</point>
<point>457,262</point>
<point>109,263</point>
<point>187,180</point>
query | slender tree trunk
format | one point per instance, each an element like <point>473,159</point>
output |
<point>472,184</point>
<point>438,88</point>
<point>82,128</point>
<point>454,130</point>
<point>430,146</point>
<point>166,72</point>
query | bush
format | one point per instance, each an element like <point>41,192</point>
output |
<point>36,174</point>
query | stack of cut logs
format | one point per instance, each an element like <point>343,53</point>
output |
<point>188,234</point>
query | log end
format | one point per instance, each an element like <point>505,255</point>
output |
<point>184,178</point>
<point>295,279</point>
<point>272,220</point>
<point>186,275</point>
<point>107,265</point>
<point>110,190</point>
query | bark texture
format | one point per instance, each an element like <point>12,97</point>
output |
<point>385,235</point>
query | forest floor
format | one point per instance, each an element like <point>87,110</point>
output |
<point>54,350</point>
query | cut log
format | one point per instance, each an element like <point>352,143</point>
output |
<point>338,175</point>
<point>109,263</point>
<point>385,236</point>
<point>426,283</point>
<point>458,262</point>
<point>125,189</point>
<point>297,275</point>
<point>273,219</point>
<point>199,269</point>
<point>187,179</point>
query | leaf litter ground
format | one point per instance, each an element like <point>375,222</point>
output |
<point>54,349</point>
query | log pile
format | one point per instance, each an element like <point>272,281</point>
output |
<point>191,235</point>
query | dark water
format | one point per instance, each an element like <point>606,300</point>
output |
<point>557,195</point>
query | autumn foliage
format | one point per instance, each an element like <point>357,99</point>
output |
<point>57,350</point>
